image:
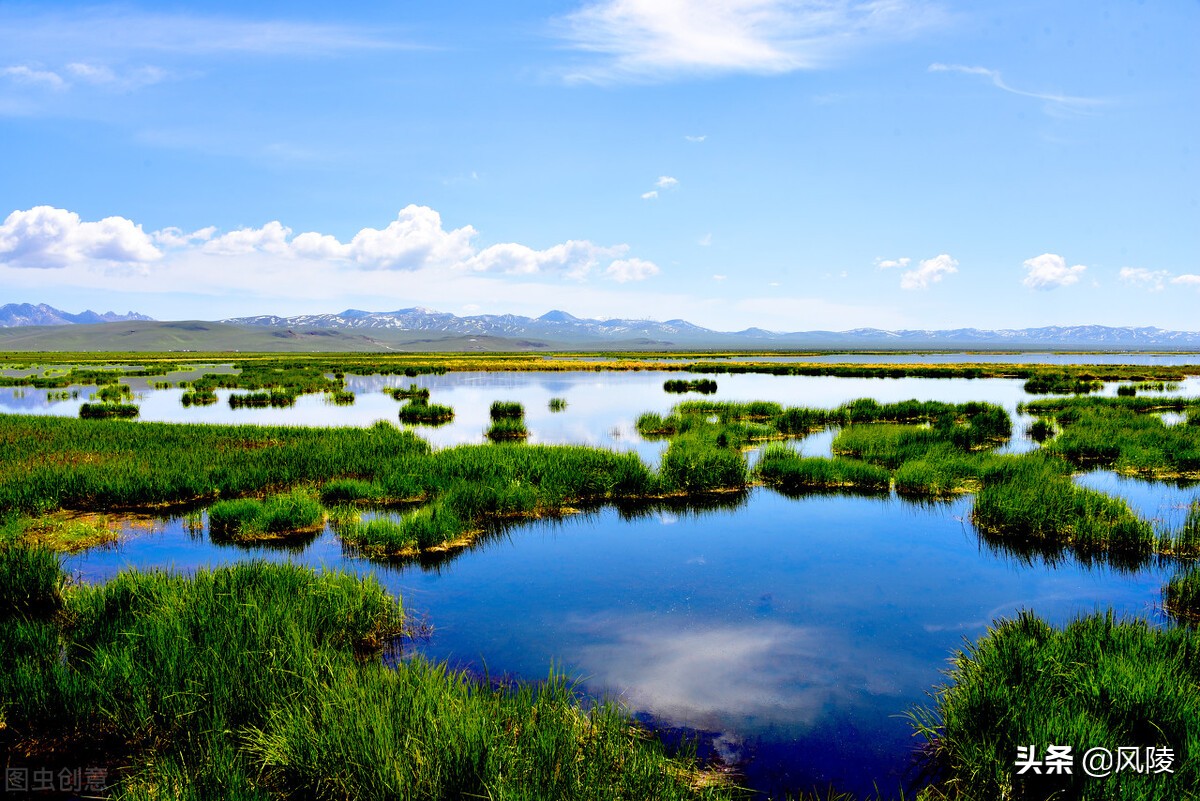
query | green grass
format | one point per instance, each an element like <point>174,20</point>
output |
<point>705,386</point>
<point>198,397</point>
<point>507,410</point>
<point>1062,382</point>
<point>558,404</point>
<point>1033,500</point>
<point>507,428</point>
<point>276,517</point>
<point>261,400</point>
<point>417,412</point>
<point>263,681</point>
<point>104,411</point>
<point>1181,596</point>
<point>411,392</point>
<point>1096,683</point>
<point>783,468</point>
<point>340,397</point>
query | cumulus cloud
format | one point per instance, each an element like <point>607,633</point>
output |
<point>927,272</point>
<point>1152,280</point>
<point>647,40</point>
<point>653,193</point>
<point>887,264</point>
<point>1050,271</point>
<point>623,270</point>
<point>415,240</point>
<point>1187,279</point>
<point>172,237</point>
<point>46,237</point>
<point>666,182</point>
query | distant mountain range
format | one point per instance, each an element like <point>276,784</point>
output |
<point>13,315</point>
<point>425,329</point>
<point>559,326</point>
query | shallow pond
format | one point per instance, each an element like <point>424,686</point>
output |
<point>791,634</point>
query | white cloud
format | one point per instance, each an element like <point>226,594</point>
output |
<point>414,241</point>
<point>661,39</point>
<point>623,270</point>
<point>666,182</point>
<point>1054,101</point>
<point>31,76</point>
<point>650,195</point>
<point>46,237</point>
<point>1050,271</point>
<point>271,238</point>
<point>705,240</point>
<point>929,271</point>
<point>719,277</point>
<point>82,33</point>
<point>887,264</point>
<point>1148,279</point>
<point>172,237</point>
<point>696,139</point>
<point>1187,279</point>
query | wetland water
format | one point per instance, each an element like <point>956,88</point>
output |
<point>791,633</point>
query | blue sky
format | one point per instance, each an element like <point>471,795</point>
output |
<point>774,163</point>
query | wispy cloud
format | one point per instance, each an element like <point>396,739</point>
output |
<point>887,264</point>
<point>119,31</point>
<point>26,75</point>
<point>1055,102</point>
<point>655,40</point>
<point>1152,280</point>
<point>666,182</point>
<point>696,139</point>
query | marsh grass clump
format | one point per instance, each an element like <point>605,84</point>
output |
<point>416,412</point>
<point>1098,682</point>
<point>350,490</point>
<point>785,469</point>
<point>1034,500</point>
<point>197,396</point>
<point>411,392</point>
<point>250,519</point>
<point>558,404</point>
<point>507,428</point>
<point>33,581</point>
<point>340,397</point>
<point>1062,383</point>
<point>1040,429</point>
<point>695,464</point>
<point>261,400</point>
<point>105,411</point>
<point>1127,391</point>
<point>114,393</point>
<point>507,410</point>
<point>705,386</point>
<point>1181,596</point>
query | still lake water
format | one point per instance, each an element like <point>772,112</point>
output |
<point>790,634</point>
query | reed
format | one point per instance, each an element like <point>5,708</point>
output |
<point>261,400</point>
<point>198,397</point>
